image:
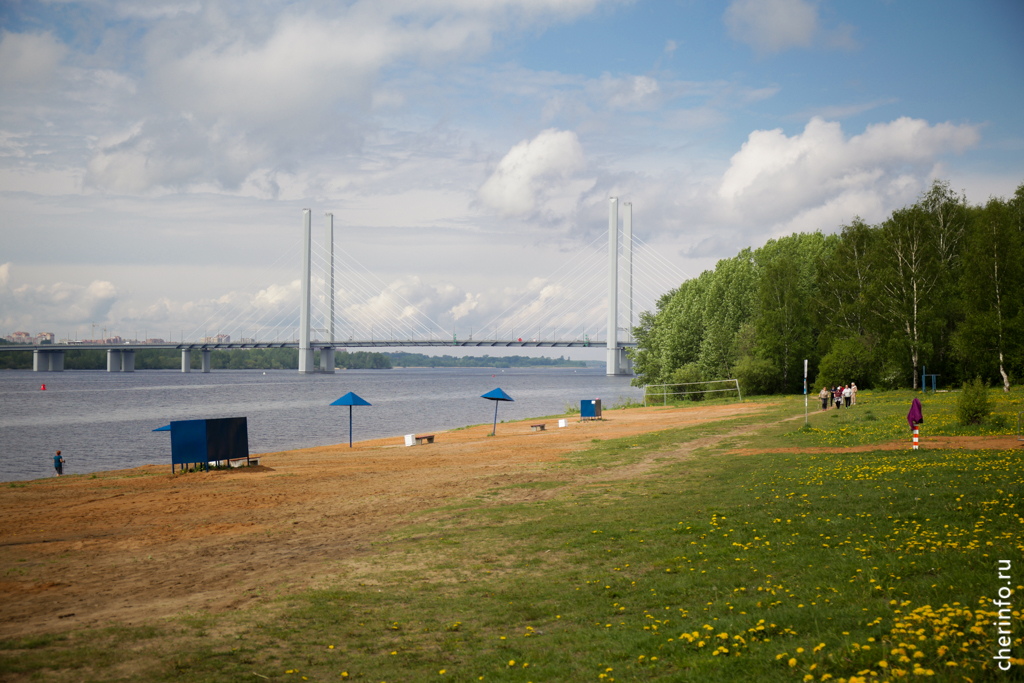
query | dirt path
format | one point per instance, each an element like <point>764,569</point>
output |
<point>140,544</point>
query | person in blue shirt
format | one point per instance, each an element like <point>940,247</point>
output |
<point>58,464</point>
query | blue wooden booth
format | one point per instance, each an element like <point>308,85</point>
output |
<point>590,409</point>
<point>196,442</point>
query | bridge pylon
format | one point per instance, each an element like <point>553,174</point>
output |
<point>616,361</point>
<point>305,350</point>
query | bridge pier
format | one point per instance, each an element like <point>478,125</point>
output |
<point>113,360</point>
<point>206,360</point>
<point>127,361</point>
<point>186,360</point>
<point>625,364</point>
<point>47,361</point>
<point>327,360</point>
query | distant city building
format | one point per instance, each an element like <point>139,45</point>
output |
<point>247,340</point>
<point>154,341</point>
<point>45,338</point>
<point>20,338</point>
<point>219,339</point>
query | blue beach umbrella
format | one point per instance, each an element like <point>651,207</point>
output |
<point>350,399</point>
<point>496,395</point>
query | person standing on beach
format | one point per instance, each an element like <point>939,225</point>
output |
<point>58,464</point>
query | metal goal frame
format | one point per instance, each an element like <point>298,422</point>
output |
<point>665,393</point>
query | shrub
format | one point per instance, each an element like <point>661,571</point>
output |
<point>687,373</point>
<point>892,376</point>
<point>624,402</point>
<point>849,360</point>
<point>972,405</point>
<point>756,375</point>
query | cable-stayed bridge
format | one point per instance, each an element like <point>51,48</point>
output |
<point>592,300</point>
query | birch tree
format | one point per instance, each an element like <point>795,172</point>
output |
<point>907,275</point>
<point>843,278</point>
<point>993,285</point>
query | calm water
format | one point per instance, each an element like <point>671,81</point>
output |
<point>103,421</point>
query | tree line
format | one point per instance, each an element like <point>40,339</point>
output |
<point>937,287</point>
<point>236,359</point>
<point>282,359</point>
<point>419,360</point>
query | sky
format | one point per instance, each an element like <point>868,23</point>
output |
<point>155,157</point>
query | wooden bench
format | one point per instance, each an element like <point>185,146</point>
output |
<point>538,428</point>
<point>424,438</point>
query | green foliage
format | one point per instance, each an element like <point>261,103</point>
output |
<point>991,339</point>
<point>234,359</point>
<point>972,407</point>
<point>420,360</point>
<point>757,375</point>
<point>937,285</point>
<point>687,373</point>
<point>625,402</point>
<point>849,360</point>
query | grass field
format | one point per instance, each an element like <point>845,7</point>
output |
<point>848,566</point>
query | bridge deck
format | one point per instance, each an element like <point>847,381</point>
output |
<point>346,343</point>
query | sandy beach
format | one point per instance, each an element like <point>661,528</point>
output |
<point>134,545</point>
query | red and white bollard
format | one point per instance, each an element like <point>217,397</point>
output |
<point>915,438</point>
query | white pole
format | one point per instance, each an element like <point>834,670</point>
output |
<point>805,391</point>
<point>612,363</point>
<point>305,352</point>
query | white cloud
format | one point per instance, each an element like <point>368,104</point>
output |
<point>843,111</point>
<point>533,172</point>
<point>60,303</point>
<point>819,178</point>
<point>225,94</point>
<point>630,92</point>
<point>29,58</point>
<point>771,26</point>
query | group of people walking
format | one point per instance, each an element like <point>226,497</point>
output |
<point>838,395</point>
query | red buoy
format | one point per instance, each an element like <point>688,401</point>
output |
<point>43,388</point>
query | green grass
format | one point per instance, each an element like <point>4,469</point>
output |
<point>881,417</point>
<point>714,567</point>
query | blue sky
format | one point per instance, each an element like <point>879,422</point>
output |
<point>155,157</point>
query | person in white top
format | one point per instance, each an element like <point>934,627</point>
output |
<point>847,395</point>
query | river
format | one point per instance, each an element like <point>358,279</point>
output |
<point>104,421</point>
